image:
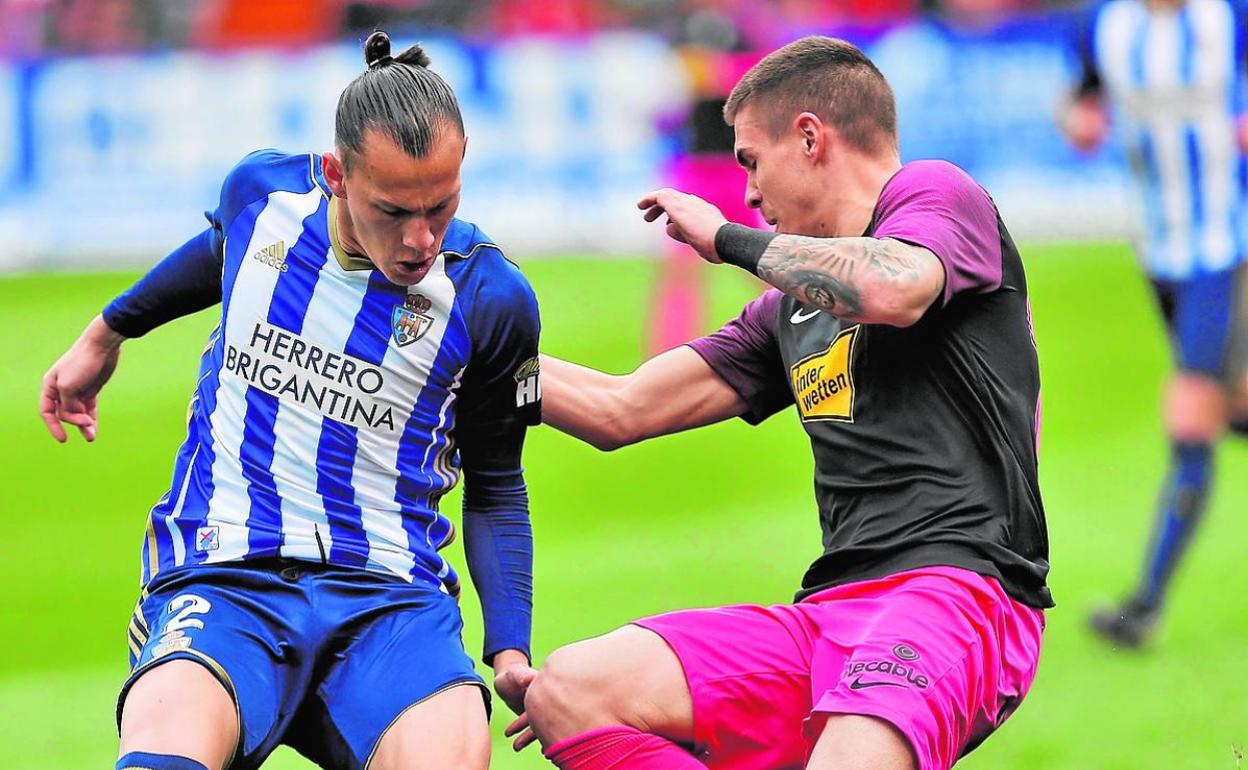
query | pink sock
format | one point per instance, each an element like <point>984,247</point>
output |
<point>620,747</point>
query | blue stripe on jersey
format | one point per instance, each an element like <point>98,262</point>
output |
<point>291,296</point>
<point>416,472</point>
<point>335,467</point>
<point>1197,192</point>
<point>1187,46</point>
<point>264,517</point>
<point>1139,41</point>
<point>335,455</point>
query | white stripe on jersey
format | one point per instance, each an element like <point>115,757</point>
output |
<point>280,220</point>
<point>336,299</point>
<point>376,461</point>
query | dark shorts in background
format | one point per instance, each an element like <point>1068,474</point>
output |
<point>322,659</point>
<point>1207,318</point>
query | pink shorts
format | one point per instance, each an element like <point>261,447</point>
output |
<point>941,653</point>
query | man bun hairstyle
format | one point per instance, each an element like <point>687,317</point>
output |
<point>828,77</point>
<point>398,96</point>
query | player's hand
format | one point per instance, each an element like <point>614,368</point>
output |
<point>690,219</point>
<point>520,730</point>
<point>512,677</point>
<point>71,386</point>
<point>512,682</point>
<point>1086,123</point>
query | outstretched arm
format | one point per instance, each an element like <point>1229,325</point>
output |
<point>869,280</point>
<point>186,281</point>
<point>671,392</point>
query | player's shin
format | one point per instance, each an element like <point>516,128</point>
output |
<point>1182,506</point>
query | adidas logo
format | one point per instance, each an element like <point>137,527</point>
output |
<point>273,255</point>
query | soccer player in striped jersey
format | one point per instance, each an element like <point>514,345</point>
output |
<point>370,345</point>
<point>1172,73</point>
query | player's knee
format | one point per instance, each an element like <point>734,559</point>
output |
<point>563,701</point>
<point>1196,408</point>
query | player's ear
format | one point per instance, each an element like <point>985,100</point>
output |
<point>810,130</point>
<point>335,174</point>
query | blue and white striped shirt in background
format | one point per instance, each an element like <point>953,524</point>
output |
<point>1174,77</point>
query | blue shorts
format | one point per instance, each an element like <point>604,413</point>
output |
<point>320,658</point>
<point>1207,317</point>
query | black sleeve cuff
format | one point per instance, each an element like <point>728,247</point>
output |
<point>742,246</point>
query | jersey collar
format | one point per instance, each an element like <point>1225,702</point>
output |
<point>346,260</point>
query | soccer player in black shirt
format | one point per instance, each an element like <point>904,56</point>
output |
<point>899,327</point>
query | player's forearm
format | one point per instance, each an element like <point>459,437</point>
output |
<point>870,280</point>
<point>100,336</point>
<point>498,546</point>
<point>585,404</point>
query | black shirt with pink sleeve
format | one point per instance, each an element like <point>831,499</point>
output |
<point>925,438</point>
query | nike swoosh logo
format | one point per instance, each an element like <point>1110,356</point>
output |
<point>801,316</point>
<point>858,684</point>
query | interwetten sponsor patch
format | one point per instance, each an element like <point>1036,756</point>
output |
<point>823,383</point>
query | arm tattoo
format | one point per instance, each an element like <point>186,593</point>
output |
<point>831,273</point>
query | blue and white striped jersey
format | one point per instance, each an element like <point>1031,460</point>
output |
<point>331,402</point>
<point>1174,78</point>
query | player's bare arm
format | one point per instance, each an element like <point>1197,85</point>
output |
<point>674,391</point>
<point>870,280</point>
<point>71,386</point>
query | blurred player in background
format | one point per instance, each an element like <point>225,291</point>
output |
<point>368,343</point>
<point>1172,72</point>
<point>704,166</point>
<point>899,327</point>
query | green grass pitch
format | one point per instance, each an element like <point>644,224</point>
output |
<point>721,515</point>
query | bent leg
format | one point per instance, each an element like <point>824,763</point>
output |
<point>616,701</point>
<point>448,730</point>
<point>629,677</point>
<point>851,742</point>
<point>179,708</point>
<point>727,687</point>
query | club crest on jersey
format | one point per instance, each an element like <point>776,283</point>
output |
<point>823,383</point>
<point>410,320</point>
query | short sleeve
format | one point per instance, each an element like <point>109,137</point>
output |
<point>938,206</point>
<point>744,354</point>
<point>501,392</point>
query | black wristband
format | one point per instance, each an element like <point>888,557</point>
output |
<point>742,246</point>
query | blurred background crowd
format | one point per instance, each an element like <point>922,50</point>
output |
<point>34,27</point>
<point>135,109</point>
